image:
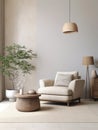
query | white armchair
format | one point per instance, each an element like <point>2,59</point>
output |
<point>55,90</point>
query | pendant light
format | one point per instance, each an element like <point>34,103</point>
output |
<point>70,27</point>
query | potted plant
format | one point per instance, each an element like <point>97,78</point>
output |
<point>15,64</point>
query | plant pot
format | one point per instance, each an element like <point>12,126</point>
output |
<point>10,94</point>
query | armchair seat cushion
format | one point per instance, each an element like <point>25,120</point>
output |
<point>55,90</point>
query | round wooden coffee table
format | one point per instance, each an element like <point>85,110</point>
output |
<point>27,102</point>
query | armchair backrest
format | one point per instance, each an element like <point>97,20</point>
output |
<point>64,78</point>
<point>56,82</point>
<point>75,74</point>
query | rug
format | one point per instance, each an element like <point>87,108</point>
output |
<point>86,111</point>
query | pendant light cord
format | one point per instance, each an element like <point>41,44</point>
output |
<point>69,10</point>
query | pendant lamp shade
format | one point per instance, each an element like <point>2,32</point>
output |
<point>69,26</point>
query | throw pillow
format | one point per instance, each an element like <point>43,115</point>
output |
<point>63,80</point>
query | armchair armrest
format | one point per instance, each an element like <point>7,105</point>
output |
<point>77,87</point>
<point>46,82</point>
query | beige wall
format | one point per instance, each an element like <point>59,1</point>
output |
<point>20,20</point>
<point>38,25</point>
<point>1,45</point>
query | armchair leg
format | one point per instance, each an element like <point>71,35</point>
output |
<point>79,100</point>
<point>68,103</point>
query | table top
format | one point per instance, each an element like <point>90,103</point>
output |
<point>27,95</point>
